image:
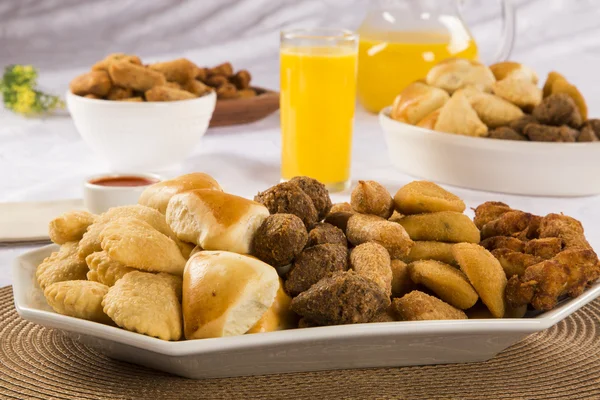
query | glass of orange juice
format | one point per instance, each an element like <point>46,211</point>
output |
<point>318,89</point>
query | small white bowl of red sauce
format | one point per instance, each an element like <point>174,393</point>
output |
<point>102,192</point>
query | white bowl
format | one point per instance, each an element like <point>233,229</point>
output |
<point>150,136</point>
<point>387,344</point>
<point>508,166</point>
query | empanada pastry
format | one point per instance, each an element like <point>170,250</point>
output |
<point>62,265</point>
<point>456,73</point>
<point>105,270</point>
<point>147,304</point>
<point>79,299</point>
<point>137,244</point>
<point>70,226</point>
<point>511,69</point>
<point>457,116</point>
<point>417,101</point>
<point>493,110</point>
<point>523,94</point>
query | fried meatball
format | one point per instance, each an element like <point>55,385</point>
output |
<point>590,131</point>
<point>326,233</point>
<point>558,109</point>
<point>342,298</point>
<point>279,239</point>
<point>506,133</point>
<point>288,198</point>
<point>546,133</point>
<point>314,264</point>
<point>317,192</point>
<point>518,125</point>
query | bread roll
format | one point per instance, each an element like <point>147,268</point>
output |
<point>417,101</point>
<point>279,316</point>
<point>513,70</point>
<point>456,73</point>
<point>225,294</point>
<point>158,195</point>
<point>215,220</point>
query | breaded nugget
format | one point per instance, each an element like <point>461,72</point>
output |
<point>425,197</point>
<point>195,87</point>
<point>489,211</point>
<point>364,228</point>
<point>62,265</point>
<point>147,304</point>
<point>503,242</point>
<point>505,133</point>
<point>323,233</point>
<point>317,192</point>
<point>507,224</point>
<point>314,264</point>
<point>372,261</point>
<point>96,82</point>
<point>165,93</point>
<point>339,215</point>
<point>180,70</point>
<point>137,244</point>
<point>241,79</point>
<point>558,109</point>
<point>427,250</point>
<point>289,198</point>
<point>514,262</point>
<point>448,283</point>
<point>222,69</point>
<point>564,227</point>
<point>442,226</point>
<point>119,93</point>
<point>111,58</point>
<point>518,125</point>
<point>134,77</point>
<point>370,197</point>
<point>104,270</point>
<point>418,306</point>
<point>545,248</point>
<point>70,226</point>
<point>79,299</point>
<point>485,274</point>
<point>342,298</point>
<point>279,239</point>
<point>401,282</point>
<point>546,133</point>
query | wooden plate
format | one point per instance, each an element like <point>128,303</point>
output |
<point>244,111</point>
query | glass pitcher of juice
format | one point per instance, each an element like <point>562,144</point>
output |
<point>400,40</point>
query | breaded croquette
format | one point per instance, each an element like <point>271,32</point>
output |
<point>442,226</point>
<point>370,197</point>
<point>372,261</point>
<point>364,228</point>
<point>426,197</point>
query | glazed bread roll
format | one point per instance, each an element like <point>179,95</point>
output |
<point>513,70</point>
<point>456,73</point>
<point>279,316</point>
<point>215,220</point>
<point>158,195</point>
<point>417,101</point>
<point>225,294</point>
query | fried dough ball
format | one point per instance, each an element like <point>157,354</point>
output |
<point>485,274</point>
<point>370,197</point>
<point>442,226</point>
<point>505,133</point>
<point>518,125</point>
<point>545,248</point>
<point>514,262</point>
<point>563,227</point>
<point>558,109</point>
<point>489,211</point>
<point>401,282</point>
<point>96,82</point>
<point>136,77</point>
<point>427,250</point>
<point>165,93</point>
<point>508,224</point>
<point>279,239</point>
<point>323,233</point>
<point>372,261</point>
<point>448,283</point>
<point>339,215</point>
<point>342,298</point>
<point>371,228</point>
<point>314,264</point>
<point>546,133</point>
<point>317,192</point>
<point>289,198</point>
<point>426,197</point>
<point>503,242</point>
<point>418,306</point>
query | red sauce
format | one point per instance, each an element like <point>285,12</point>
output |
<point>124,181</point>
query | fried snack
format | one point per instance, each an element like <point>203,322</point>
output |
<point>306,323</point>
<point>514,70</point>
<point>195,87</point>
<point>342,298</point>
<point>506,133</point>
<point>588,132</point>
<point>427,250</point>
<point>217,81</point>
<point>418,306</point>
<point>136,77</point>
<point>441,226</point>
<point>323,233</point>
<point>137,244</point>
<point>180,70</point>
<point>165,93</point>
<point>396,217</point>
<point>485,274</point>
<point>92,96</point>
<point>339,215</point>
<point>430,120</point>
<point>425,197</point>
<point>545,133</point>
<point>147,304</point>
<point>314,264</point>
<point>70,226</point>
<point>558,109</point>
<point>448,283</point>
<point>455,73</point>
<point>119,93</point>
<point>227,91</point>
<point>545,248</point>
<point>523,94</point>
<point>277,317</point>
<point>457,116</point>
<point>401,282</point>
<point>289,198</point>
<point>566,228</point>
<point>364,228</point>
<point>372,261</point>
<point>417,101</point>
<point>493,110</point>
<point>96,82</point>
<point>279,239</point>
<point>519,125</point>
<point>514,262</point>
<point>503,242</point>
<point>370,197</point>
<point>62,265</point>
<point>553,76</point>
<point>104,270</point>
<point>489,211</point>
<point>79,299</point>
<point>562,86</point>
<point>507,224</point>
<point>221,69</point>
<point>115,57</point>
<point>241,79</point>
<point>387,315</point>
<point>317,192</point>
<point>133,99</point>
<point>201,74</point>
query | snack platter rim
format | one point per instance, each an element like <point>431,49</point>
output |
<point>25,286</point>
<point>210,96</point>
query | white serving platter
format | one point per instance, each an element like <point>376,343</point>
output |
<point>386,344</point>
<point>508,166</point>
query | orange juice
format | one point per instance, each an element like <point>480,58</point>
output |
<point>388,64</point>
<point>318,93</point>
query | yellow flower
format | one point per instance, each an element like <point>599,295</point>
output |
<point>25,99</point>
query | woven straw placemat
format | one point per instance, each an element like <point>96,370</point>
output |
<point>562,362</point>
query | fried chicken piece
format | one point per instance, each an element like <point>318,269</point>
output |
<point>563,227</point>
<point>370,197</point>
<point>545,248</point>
<point>558,109</point>
<point>418,306</point>
<point>508,224</point>
<point>317,192</point>
<point>489,211</point>
<point>514,262</point>
<point>503,242</point>
<point>289,198</point>
<point>339,215</point>
<point>279,239</point>
<point>518,125</point>
<point>546,133</point>
<point>505,133</point>
<point>326,233</point>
